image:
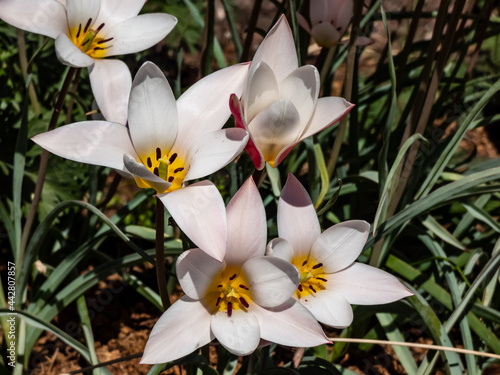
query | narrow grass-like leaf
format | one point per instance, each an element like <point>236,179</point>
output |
<point>332,200</point>
<point>144,290</point>
<point>325,180</point>
<point>433,225</point>
<point>392,332</point>
<point>481,215</point>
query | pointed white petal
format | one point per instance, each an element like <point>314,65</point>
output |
<point>289,324</point>
<point>339,246</point>
<point>111,83</point>
<point>196,271</point>
<point>203,108</point>
<point>261,90</point>
<point>82,12</point>
<point>272,280</point>
<point>280,248</point>
<point>303,22</point>
<point>325,34</point>
<point>278,50</point>
<point>302,88</point>
<point>361,284</point>
<point>239,333</point>
<point>139,33</point>
<point>329,308</point>
<point>328,111</point>
<point>152,112</point>
<point>246,225</point>
<point>139,170</point>
<point>297,219</point>
<point>183,328</point>
<point>275,127</point>
<point>199,211</point>
<point>214,151</point>
<point>92,142</point>
<point>115,11</point>
<point>45,17</point>
<point>69,54</point>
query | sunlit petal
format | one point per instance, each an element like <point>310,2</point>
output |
<point>328,111</point>
<point>69,54</point>
<point>82,13</point>
<point>329,308</point>
<point>280,248</point>
<point>115,11</point>
<point>340,245</point>
<point>199,212</point>
<point>111,83</point>
<point>138,170</point>
<point>190,334</point>
<point>239,333</point>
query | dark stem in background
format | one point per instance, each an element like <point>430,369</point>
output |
<point>251,30</point>
<point>42,169</point>
<point>160,254</point>
<point>258,177</point>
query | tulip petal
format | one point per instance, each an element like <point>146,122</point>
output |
<point>340,245</point>
<point>45,17</point>
<point>139,33</point>
<point>92,142</point>
<point>115,11</point>
<point>139,171</point>
<point>302,88</point>
<point>251,149</point>
<point>275,127</point>
<point>278,50</point>
<point>239,333</point>
<point>71,55</point>
<point>152,112</point>
<point>199,212</point>
<point>329,308</point>
<point>203,107</point>
<point>319,11</point>
<point>325,34</point>
<point>342,11</point>
<point>303,22</point>
<point>297,219</point>
<point>196,271</point>
<point>111,83</point>
<point>272,280</point>
<point>361,284</point>
<point>246,225</point>
<point>82,13</point>
<point>214,151</point>
<point>261,90</point>
<point>289,324</point>
<point>328,111</point>
<point>190,334</point>
<point>280,248</point>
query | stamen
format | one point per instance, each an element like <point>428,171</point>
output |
<point>315,267</point>
<point>86,41</point>
<point>304,263</point>
<point>150,164</point>
<point>299,287</point>
<point>173,157</point>
<point>339,28</point>
<point>229,308</point>
<point>99,28</point>
<point>171,179</point>
<point>98,48</point>
<point>312,288</point>
<point>158,153</point>
<point>87,26</point>
<point>156,172</point>
<point>105,40</point>
<point>232,277</point>
<point>244,302</point>
<point>243,287</point>
<point>219,286</point>
<point>178,170</point>
<point>218,301</point>
<point>322,279</point>
<point>79,29</point>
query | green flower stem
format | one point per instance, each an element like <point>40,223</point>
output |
<point>42,169</point>
<point>23,59</point>
<point>160,254</point>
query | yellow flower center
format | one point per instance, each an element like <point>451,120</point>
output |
<point>229,292</point>
<point>87,39</point>
<point>312,276</point>
<point>168,167</point>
